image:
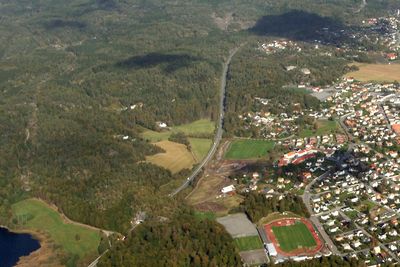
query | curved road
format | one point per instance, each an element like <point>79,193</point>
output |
<point>218,134</point>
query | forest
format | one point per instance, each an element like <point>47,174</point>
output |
<point>331,261</point>
<point>77,77</point>
<point>181,241</point>
<point>257,206</point>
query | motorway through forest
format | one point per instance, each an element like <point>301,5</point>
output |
<point>219,132</point>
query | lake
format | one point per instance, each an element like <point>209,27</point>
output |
<point>13,246</point>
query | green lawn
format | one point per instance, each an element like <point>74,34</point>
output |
<point>200,147</point>
<point>293,237</point>
<point>249,149</point>
<point>199,127</point>
<point>36,215</point>
<point>323,127</point>
<point>196,127</point>
<point>248,243</point>
<point>205,215</point>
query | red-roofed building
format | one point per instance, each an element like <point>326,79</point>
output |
<point>391,56</point>
<point>396,128</point>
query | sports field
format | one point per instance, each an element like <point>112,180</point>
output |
<point>376,72</point>
<point>36,215</point>
<point>176,157</point>
<point>292,237</point>
<point>248,243</point>
<point>249,149</point>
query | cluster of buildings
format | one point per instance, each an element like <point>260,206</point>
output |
<point>375,31</point>
<point>389,29</point>
<point>279,45</point>
<point>368,112</point>
<point>297,157</point>
<point>358,205</point>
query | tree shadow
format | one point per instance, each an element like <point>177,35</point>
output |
<point>59,23</point>
<point>106,5</point>
<point>298,25</point>
<point>170,62</point>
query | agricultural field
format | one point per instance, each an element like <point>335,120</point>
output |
<point>294,236</point>
<point>248,243</point>
<point>35,215</point>
<point>176,157</point>
<point>323,127</point>
<point>196,128</point>
<point>376,72</point>
<point>249,149</point>
<point>200,147</point>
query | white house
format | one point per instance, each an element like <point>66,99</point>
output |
<point>228,189</point>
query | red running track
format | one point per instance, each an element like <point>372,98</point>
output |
<point>297,252</point>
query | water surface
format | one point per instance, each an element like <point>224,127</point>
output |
<point>13,246</point>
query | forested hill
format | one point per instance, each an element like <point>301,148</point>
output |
<point>183,241</point>
<point>77,76</point>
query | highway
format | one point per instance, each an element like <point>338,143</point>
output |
<point>217,138</point>
<point>219,132</point>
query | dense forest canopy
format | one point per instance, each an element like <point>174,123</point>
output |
<point>258,206</point>
<point>77,76</point>
<point>183,241</point>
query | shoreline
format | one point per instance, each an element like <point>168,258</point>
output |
<point>41,256</point>
<point>41,238</point>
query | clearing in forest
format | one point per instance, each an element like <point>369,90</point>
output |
<point>199,134</point>
<point>196,128</point>
<point>35,215</point>
<point>176,157</point>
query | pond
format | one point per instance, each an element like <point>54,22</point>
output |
<point>14,245</point>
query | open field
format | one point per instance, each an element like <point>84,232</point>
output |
<point>376,72</point>
<point>323,127</point>
<point>248,243</point>
<point>199,127</point>
<point>294,236</point>
<point>200,147</point>
<point>204,195</point>
<point>248,149</point>
<point>196,127</point>
<point>176,158</point>
<point>36,215</point>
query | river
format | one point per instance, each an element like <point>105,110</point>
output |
<point>14,245</point>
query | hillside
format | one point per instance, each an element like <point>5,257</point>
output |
<point>81,79</point>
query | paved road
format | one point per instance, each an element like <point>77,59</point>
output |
<point>94,263</point>
<point>306,199</point>
<point>218,134</point>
